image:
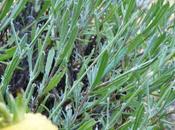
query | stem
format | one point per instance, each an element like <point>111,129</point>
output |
<point>5,113</point>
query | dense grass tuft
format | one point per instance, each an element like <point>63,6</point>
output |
<point>91,64</point>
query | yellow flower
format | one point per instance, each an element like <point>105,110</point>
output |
<point>32,121</point>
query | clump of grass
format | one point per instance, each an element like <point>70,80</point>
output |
<point>91,64</point>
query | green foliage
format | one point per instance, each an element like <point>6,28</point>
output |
<point>104,64</point>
